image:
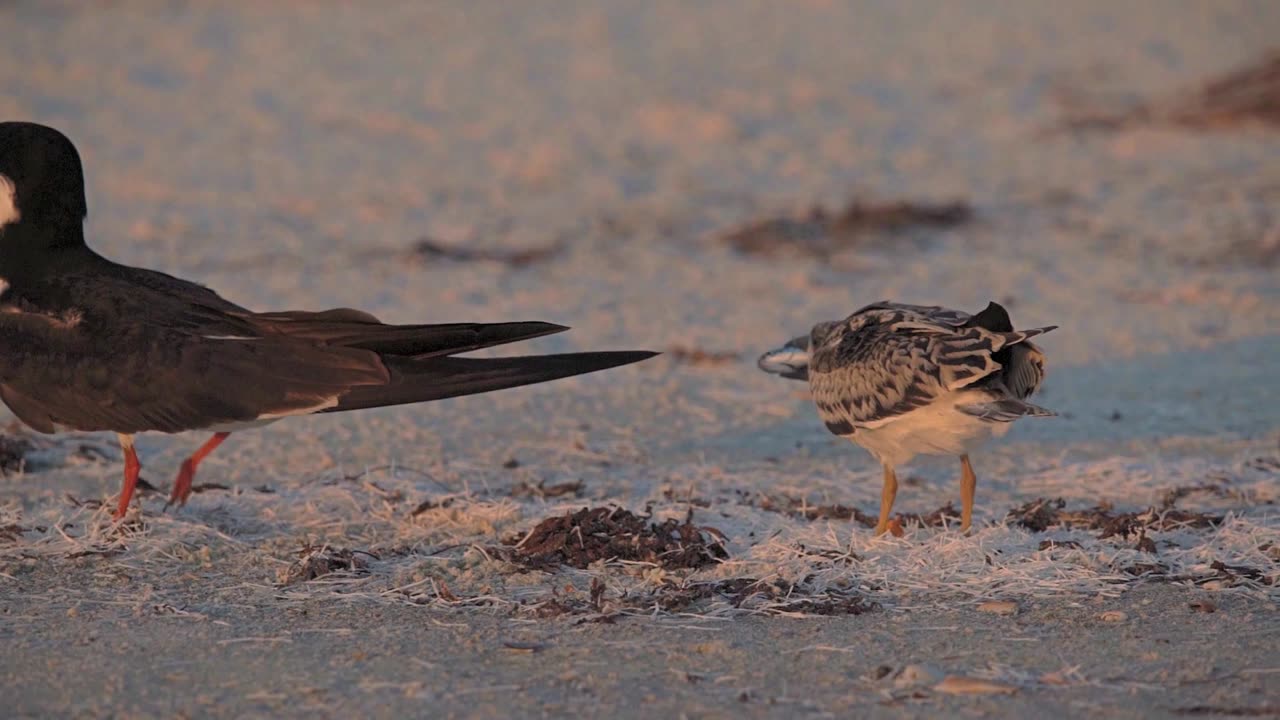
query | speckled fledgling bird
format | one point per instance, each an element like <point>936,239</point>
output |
<point>902,380</point>
<point>88,344</point>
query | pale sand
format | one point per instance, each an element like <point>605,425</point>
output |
<point>285,155</point>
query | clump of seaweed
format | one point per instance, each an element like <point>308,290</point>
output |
<point>1041,514</point>
<point>580,538</point>
<point>1246,97</point>
<point>823,233</point>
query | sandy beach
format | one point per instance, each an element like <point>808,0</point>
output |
<point>708,180</point>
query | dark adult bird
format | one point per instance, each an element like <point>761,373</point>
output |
<point>91,345</point>
<point>902,380</point>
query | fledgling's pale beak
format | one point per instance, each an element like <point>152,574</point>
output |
<point>790,361</point>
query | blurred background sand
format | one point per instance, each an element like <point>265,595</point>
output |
<point>290,155</point>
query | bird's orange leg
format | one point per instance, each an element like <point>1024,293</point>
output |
<point>131,469</point>
<point>968,485</point>
<point>887,493</point>
<point>182,486</point>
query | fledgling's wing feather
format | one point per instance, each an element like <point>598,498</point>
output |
<point>871,375</point>
<point>935,315</point>
<point>889,359</point>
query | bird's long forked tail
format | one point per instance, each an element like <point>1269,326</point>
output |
<point>346,328</point>
<point>416,380</point>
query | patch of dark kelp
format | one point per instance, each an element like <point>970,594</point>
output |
<point>429,249</point>
<point>822,232</point>
<point>945,516</point>
<point>1041,514</point>
<point>770,597</point>
<point>1243,98</point>
<point>589,535</point>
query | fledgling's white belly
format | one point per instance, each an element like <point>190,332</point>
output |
<point>938,429</point>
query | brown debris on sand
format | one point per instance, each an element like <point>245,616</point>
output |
<point>1042,514</point>
<point>427,249</point>
<point>777,597</point>
<point>1214,488</point>
<point>317,561</point>
<point>13,453</point>
<point>1132,523</point>
<point>1223,575</point>
<point>710,597</point>
<point>542,490</point>
<point>591,608</point>
<point>1247,97</point>
<point>1037,515</point>
<point>822,233</point>
<point>580,538</point>
<point>799,508</point>
<point>945,516</point>
<point>12,532</point>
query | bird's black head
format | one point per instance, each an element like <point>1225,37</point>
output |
<point>42,205</point>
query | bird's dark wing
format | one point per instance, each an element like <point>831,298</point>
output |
<point>135,378</point>
<point>157,284</point>
<point>176,302</point>
<point>116,293</point>
<point>171,382</point>
<point>127,358</point>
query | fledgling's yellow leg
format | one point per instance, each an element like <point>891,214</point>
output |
<point>968,485</point>
<point>887,494</point>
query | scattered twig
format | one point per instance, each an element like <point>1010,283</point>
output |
<point>543,490</point>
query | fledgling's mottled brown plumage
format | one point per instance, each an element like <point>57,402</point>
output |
<point>900,380</point>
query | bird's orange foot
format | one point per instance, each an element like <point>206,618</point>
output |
<point>187,473</point>
<point>182,485</point>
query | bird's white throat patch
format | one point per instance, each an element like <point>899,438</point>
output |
<point>9,213</point>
